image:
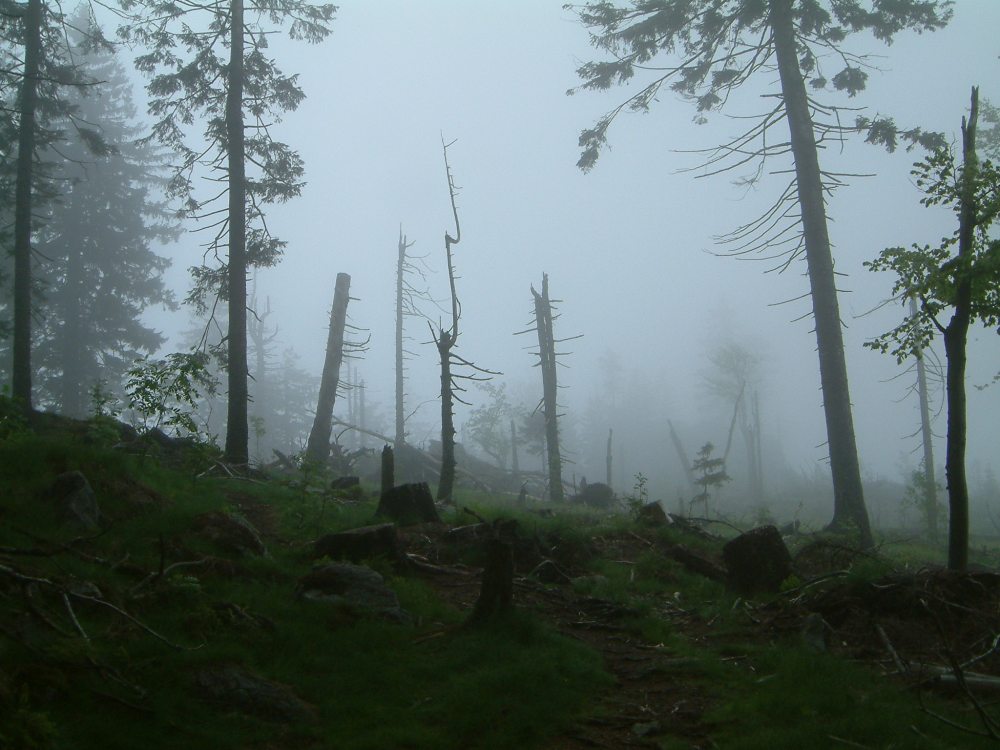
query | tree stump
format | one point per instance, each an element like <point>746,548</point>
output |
<point>757,561</point>
<point>408,504</point>
<point>388,469</point>
<point>497,592</point>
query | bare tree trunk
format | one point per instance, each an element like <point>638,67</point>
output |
<point>388,469</point>
<point>237,427</point>
<point>547,361</point>
<point>955,341</point>
<point>608,459</point>
<point>362,443</point>
<point>400,270</point>
<point>446,481</point>
<point>514,468</point>
<point>446,341</point>
<point>759,489</point>
<point>849,502</point>
<point>21,365</point>
<point>930,482</point>
<point>318,447</point>
<point>682,456</point>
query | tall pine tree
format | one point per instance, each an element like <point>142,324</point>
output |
<point>706,49</point>
<point>98,268</point>
<point>209,61</point>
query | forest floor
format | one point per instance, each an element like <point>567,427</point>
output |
<point>920,629</point>
<point>156,629</point>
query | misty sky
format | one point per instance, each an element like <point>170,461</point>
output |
<point>629,247</point>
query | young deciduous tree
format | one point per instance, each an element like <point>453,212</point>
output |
<point>721,45</point>
<point>209,61</point>
<point>961,275</point>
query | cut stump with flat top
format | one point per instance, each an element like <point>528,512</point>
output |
<point>408,504</point>
<point>496,595</point>
<point>757,561</point>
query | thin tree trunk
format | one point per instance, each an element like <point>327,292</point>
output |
<point>849,502</point>
<point>318,446</point>
<point>609,459</point>
<point>547,360</point>
<point>400,270</point>
<point>361,415</point>
<point>930,482</point>
<point>237,427</point>
<point>446,481</point>
<point>515,469</point>
<point>445,341</point>
<point>757,449</point>
<point>955,341</point>
<point>21,365</point>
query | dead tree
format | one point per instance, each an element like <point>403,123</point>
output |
<point>547,360</point>
<point>404,306</point>
<point>930,482</point>
<point>318,447</point>
<point>446,339</point>
<point>609,458</point>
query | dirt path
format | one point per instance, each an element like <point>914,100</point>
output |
<point>656,693</point>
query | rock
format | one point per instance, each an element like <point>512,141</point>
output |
<point>408,504</point>
<point>757,561</point>
<point>356,588</point>
<point>231,532</point>
<point>75,500</point>
<point>360,544</point>
<point>652,515</point>
<point>235,688</point>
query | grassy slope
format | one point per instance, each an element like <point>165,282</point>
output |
<point>373,684</point>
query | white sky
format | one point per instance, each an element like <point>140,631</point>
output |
<point>628,247</point>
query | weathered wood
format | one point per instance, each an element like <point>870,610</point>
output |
<point>496,595</point>
<point>408,503</point>
<point>318,447</point>
<point>757,561</point>
<point>388,469</point>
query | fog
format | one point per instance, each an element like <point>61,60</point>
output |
<point>629,247</point>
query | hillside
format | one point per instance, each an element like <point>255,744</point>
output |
<point>149,598</point>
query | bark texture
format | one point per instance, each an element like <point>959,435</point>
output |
<point>550,408</point>
<point>237,449</point>
<point>849,502</point>
<point>21,375</point>
<point>318,446</point>
<point>955,342</point>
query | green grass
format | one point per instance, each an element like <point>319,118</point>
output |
<point>795,698</point>
<point>372,684</point>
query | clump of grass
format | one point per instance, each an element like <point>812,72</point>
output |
<point>794,697</point>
